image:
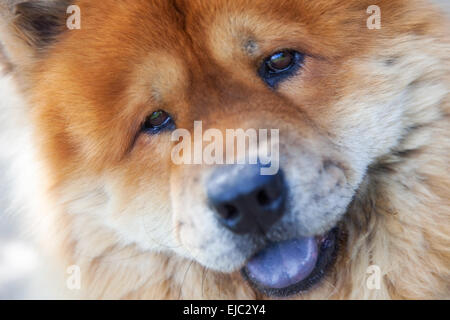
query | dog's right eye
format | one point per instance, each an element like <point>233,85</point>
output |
<point>158,121</point>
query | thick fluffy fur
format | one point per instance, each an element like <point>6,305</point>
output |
<point>382,96</point>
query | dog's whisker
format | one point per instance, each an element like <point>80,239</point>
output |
<point>184,279</point>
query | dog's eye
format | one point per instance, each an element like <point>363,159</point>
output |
<point>280,66</point>
<point>280,61</point>
<point>158,121</point>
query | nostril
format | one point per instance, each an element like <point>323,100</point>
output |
<point>230,212</point>
<point>263,198</point>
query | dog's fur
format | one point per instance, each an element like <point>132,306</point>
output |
<point>105,199</point>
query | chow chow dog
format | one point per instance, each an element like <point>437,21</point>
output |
<point>360,205</point>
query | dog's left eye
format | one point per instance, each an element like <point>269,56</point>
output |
<point>280,66</point>
<point>157,122</point>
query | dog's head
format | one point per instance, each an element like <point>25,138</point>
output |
<point>140,83</point>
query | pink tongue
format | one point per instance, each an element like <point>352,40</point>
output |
<point>284,264</point>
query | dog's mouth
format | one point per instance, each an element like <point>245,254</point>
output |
<point>293,266</point>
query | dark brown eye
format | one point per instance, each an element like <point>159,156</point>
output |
<point>280,61</point>
<point>158,121</point>
<point>280,66</point>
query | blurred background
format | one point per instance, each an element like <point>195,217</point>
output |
<point>19,259</point>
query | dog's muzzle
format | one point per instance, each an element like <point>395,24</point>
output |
<point>247,202</point>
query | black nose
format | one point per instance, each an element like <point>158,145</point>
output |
<point>244,200</point>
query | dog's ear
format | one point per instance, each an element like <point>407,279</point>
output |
<point>28,28</point>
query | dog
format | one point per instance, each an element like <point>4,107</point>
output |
<point>360,205</point>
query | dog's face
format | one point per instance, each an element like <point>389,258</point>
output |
<point>110,95</point>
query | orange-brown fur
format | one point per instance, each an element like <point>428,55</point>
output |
<point>86,115</point>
